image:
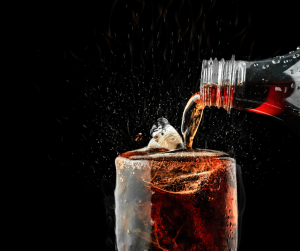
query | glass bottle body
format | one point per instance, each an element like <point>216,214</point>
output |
<point>270,86</point>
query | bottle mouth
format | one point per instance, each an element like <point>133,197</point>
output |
<point>219,79</point>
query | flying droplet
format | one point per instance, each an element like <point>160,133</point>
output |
<point>276,61</point>
<point>291,52</point>
<point>139,137</point>
<point>296,55</point>
<point>298,48</point>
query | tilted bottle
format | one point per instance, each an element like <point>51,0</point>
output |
<point>269,86</point>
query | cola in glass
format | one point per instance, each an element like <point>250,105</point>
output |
<point>182,199</point>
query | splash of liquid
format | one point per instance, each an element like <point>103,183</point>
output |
<point>191,119</point>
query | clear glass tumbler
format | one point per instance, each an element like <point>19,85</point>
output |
<point>176,200</point>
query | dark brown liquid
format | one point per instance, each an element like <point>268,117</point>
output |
<point>191,119</point>
<point>193,111</point>
<point>176,200</point>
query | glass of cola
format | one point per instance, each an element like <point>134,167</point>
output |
<point>176,200</point>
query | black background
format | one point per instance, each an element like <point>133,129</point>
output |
<point>74,126</point>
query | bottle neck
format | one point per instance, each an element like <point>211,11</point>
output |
<point>218,79</point>
<point>247,85</point>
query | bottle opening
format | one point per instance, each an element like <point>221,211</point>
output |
<point>219,80</point>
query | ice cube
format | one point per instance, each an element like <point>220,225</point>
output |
<point>165,136</point>
<point>153,144</point>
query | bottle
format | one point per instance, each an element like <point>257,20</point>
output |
<point>269,86</point>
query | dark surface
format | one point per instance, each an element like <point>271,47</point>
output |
<point>65,201</point>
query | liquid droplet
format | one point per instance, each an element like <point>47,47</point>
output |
<point>255,65</point>
<point>296,55</point>
<point>139,137</point>
<point>265,66</point>
<point>128,232</point>
<point>291,52</point>
<point>298,48</point>
<point>121,179</point>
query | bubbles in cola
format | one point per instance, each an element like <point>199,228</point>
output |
<point>171,198</point>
